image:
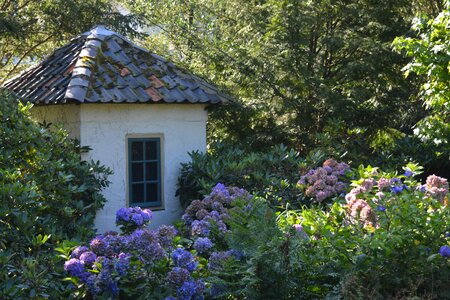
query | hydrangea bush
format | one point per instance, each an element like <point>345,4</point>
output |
<point>388,238</point>
<point>162,263</point>
<point>324,182</point>
<point>137,261</point>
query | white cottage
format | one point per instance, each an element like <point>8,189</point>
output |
<point>139,113</point>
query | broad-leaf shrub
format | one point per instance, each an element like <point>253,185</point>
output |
<point>47,194</point>
<point>272,174</point>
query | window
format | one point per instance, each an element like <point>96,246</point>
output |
<point>144,171</point>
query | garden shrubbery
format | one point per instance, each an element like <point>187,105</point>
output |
<point>48,194</point>
<point>387,237</point>
<point>272,174</point>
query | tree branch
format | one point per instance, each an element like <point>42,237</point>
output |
<point>31,49</point>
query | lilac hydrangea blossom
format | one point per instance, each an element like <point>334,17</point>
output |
<point>74,267</point>
<point>323,182</point>
<point>88,258</point>
<point>203,244</point>
<point>110,255</point>
<point>437,187</point>
<point>183,259</point>
<point>122,264</point>
<point>99,245</point>
<point>200,228</point>
<point>133,216</point>
<point>78,251</point>
<point>444,251</point>
<point>177,276</point>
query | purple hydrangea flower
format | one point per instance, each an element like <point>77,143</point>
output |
<point>122,264</point>
<point>217,259</point>
<point>200,228</point>
<point>78,251</point>
<point>137,219</point>
<point>74,267</point>
<point>381,208</point>
<point>183,259</point>
<point>99,245</point>
<point>92,285</point>
<point>146,242</point>
<point>177,276</point>
<point>203,244</point>
<point>187,290</point>
<point>88,258</point>
<point>444,251</point>
<point>298,227</point>
<point>397,189</point>
<point>123,214</point>
<point>408,173</point>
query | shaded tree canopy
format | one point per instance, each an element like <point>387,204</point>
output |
<point>302,66</point>
<point>430,59</point>
<point>30,30</point>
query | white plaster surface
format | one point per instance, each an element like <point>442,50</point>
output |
<point>67,115</point>
<point>106,127</point>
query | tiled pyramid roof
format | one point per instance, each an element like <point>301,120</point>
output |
<point>102,66</point>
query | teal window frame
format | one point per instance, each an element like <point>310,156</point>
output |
<point>145,181</point>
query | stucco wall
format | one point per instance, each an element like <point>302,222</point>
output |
<point>105,128</point>
<point>67,115</point>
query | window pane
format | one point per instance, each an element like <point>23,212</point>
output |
<point>137,172</point>
<point>151,151</point>
<point>137,193</point>
<point>151,171</point>
<point>152,192</point>
<point>137,151</point>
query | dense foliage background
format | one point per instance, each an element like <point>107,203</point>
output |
<point>308,74</point>
<point>362,81</point>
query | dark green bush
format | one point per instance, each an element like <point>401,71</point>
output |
<point>47,194</point>
<point>273,174</point>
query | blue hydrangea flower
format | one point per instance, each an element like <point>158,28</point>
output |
<point>146,215</point>
<point>203,244</point>
<point>381,208</point>
<point>166,234</point>
<point>397,189</point>
<point>123,214</point>
<point>200,228</point>
<point>408,173</point>
<point>112,286</point>
<point>99,245</point>
<point>221,192</point>
<point>122,264</point>
<point>187,290</point>
<point>78,251</point>
<point>88,258</point>
<point>183,259</point>
<point>444,251</point>
<point>92,285</point>
<point>217,259</point>
<point>177,276</point>
<point>137,219</point>
<point>74,267</point>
